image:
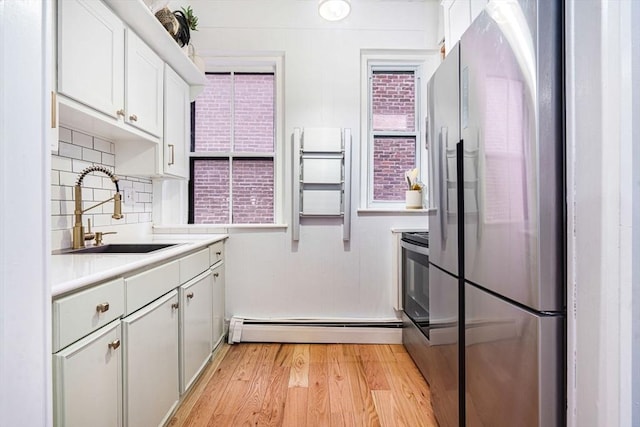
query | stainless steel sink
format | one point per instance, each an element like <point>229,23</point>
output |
<point>119,248</point>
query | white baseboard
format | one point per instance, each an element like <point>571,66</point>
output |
<point>318,334</point>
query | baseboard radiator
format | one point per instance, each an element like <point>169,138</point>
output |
<point>312,331</point>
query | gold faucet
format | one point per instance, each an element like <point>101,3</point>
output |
<point>79,236</point>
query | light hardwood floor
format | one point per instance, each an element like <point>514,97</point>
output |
<point>300,385</point>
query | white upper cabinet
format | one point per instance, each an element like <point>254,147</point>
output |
<point>177,113</point>
<point>86,27</point>
<point>144,86</point>
<point>458,15</point>
<point>110,73</point>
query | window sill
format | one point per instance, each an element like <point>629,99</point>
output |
<point>394,211</point>
<point>213,228</point>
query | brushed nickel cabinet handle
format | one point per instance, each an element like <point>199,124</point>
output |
<point>101,308</point>
<point>114,344</point>
<point>133,118</point>
<point>173,154</point>
<point>175,305</point>
<point>120,112</point>
<point>190,295</point>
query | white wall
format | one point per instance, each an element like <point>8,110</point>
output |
<point>25,297</point>
<point>267,274</point>
<point>600,191</point>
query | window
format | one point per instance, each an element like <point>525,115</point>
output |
<point>395,147</point>
<point>393,92</point>
<point>234,150</point>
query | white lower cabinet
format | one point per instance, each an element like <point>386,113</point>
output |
<point>195,327</point>
<point>218,302</point>
<point>150,361</point>
<point>87,380</point>
<point>128,348</point>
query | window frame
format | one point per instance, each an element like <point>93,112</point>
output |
<point>246,65</point>
<point>422,63</point>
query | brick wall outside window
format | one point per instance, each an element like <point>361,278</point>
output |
<point>393,102</point>
<point>224,124</point>
<point>211,191</point>
<point>391,158</point>
<point>252,191</point>
<point>213,115</point>
<point>254,113</point>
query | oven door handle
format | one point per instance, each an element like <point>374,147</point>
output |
<point>415,248</point>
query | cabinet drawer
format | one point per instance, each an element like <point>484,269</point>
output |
<point>143,288</point>
<point>77,315</point>
<point>216,252</point>
<point>194,264</point>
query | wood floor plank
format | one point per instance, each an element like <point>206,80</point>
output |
<point>299,374</point>
<point>198,389</point>
<point>374,373</point>
<point>295,408</point>
<point>248,410</point>
<point>318,411</point>
<point>413,399</point>
<point>340,398</point>
<point>272,410</point>
<point>386,408</point>
<point>214,391</point>
<point>254,385</point>
<point>364,407</point>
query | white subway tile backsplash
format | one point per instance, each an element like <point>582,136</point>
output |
<point>61,163</point>
<point>100,220</point>
<point>102,145</point>
<point>144,197</point>
<point>108,159</point>
<point>80,165</point>
<point>92,156</point>
<point>68,178</point>
<point>132,218</point>
<point>64,135</point>
<point>82,139</point>
<point>59,192</point>
<point>77,151</point>
<point>100,194</point>
<point>69,150</point>
<point>93,181</point>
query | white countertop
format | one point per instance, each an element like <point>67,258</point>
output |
<point>71,272</point>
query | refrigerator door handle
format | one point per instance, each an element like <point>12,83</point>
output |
<point>444,185</point>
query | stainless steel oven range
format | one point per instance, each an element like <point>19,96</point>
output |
<point>415,278</point>
<point>430,323</point>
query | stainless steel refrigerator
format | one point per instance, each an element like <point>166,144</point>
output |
<point>501,188</point>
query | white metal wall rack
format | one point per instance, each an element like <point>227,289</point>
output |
<point>322,176</point>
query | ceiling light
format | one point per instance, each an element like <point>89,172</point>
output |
<point>334,10</point>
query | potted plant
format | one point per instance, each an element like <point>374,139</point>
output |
<point>188,22</point>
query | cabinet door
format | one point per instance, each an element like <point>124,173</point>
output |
<point>218,303</point>
<point>91,55</point>
<point>144,86</point>
<point>87,380</point>
<point>177,113</point>
<point>150,362</point>
<point>195,331</point>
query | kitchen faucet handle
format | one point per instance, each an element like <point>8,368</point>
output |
<point>88,235</point>
<point>99,235</point>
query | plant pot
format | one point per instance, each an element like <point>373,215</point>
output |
<point>413,199</point>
